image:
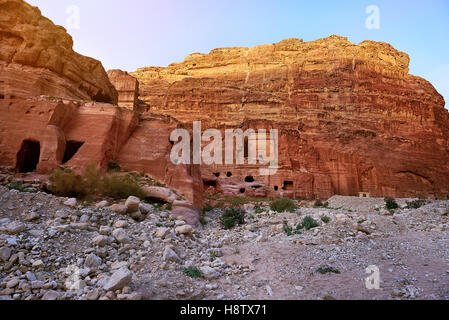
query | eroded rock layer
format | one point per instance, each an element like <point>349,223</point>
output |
<point>36,58</point>
<point>351,119</point>
<point>45,120</point>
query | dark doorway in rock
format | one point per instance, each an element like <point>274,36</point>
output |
<point>229,174</point>
<point>71,149</point>
<point>217,174</point>
<point>28,156</point>
<point>242,190</point>
<point>209,183</point>
<point>276,188</point>
<point>288,185</point>
<point>2,96</point>
<point>249,179</point>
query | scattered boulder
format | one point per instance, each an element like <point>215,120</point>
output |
<point>184,229</point>
<point>121,236</point>
<point>72,203</point>
<point>170,255</point>
<point>209,273</point>
<point>15,227</point>
<point>119,279</point>
<point>132,204</point>
<point>119,208</point>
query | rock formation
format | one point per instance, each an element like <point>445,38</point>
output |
<point>127,87</point>
<point>36,58</point>
<point>351,118</point>
<point>45,120</point>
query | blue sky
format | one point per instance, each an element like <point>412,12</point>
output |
<point>137,33</point>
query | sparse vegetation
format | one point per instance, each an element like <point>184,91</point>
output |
<point>192,272</point>
<point>203,221</point>
<point>288,230</point>
<point>65,182</point>
<point>282,205</point>
<point>113,167</point>
<point>391,203</point>
<point>231,217</point>
<point>212,256</point>
<point>416,204</point>
<point>325,219</point>
<point>307,224</point>
<point>20,187</point>
<point>259,210</point>
<point>324,270</point>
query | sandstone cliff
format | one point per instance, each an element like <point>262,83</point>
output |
<point>45,120</point>
<point>36,58</point>
<point>351,117</point>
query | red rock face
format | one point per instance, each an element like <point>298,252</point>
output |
<point>45,120</point>
<point>127,87</point>
<point>36,58</point>
<point>350,117</point>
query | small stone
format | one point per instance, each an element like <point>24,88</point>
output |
<point>132,204</point>
<point>102,204</point>
<point>121,224</point>
<point>84,218</point>
<point>51,295</point>
<point>100,240</point>
<point>71,203</point>
<point>145,208</point>
<point>31,216</point>
<point>162,232</point>
<point>269,290</point>
<point>121,236</point>
<point>38,264</point>
<point>92,261</point>
<point>170,255</point>
<point>185,229</point>
<point>341,217</point>
<point>12,283</point>
<point>120,279</point>
<point>119,208</point>
<point>5,253</point>
<point>105,230</point>
<point>93,295</point>
<point>15,227</point>
<point>209,273</point>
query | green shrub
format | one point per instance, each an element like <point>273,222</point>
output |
<point>416,204</point>
<point>307,223</point>
<point>192,272</point>
<point>259,210</point>
<point>212,256</point>
<point>203,221</point>
<point>288,230</point>
<point>64,182</point>
<point>325,219</point>
<point>231,217</point>
<point>324,270</point>
<point>121,187</point>
<point>113,167</point>
<point>318,203</point>
<point>282,205</point>
<point>391,204</point>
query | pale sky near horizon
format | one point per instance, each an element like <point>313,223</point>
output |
<point>137,33</point>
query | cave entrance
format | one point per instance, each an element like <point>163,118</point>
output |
<point>288,185</point>
<point>28,156</point>
<point>71,149</point>
<point>209,183</point>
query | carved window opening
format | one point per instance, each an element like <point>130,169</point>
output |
<point>288,185</point>
<point>72,147</point>
<point>249,179</point>
<point>28,156</point>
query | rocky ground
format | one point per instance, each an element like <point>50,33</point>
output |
<point>58,248</point>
